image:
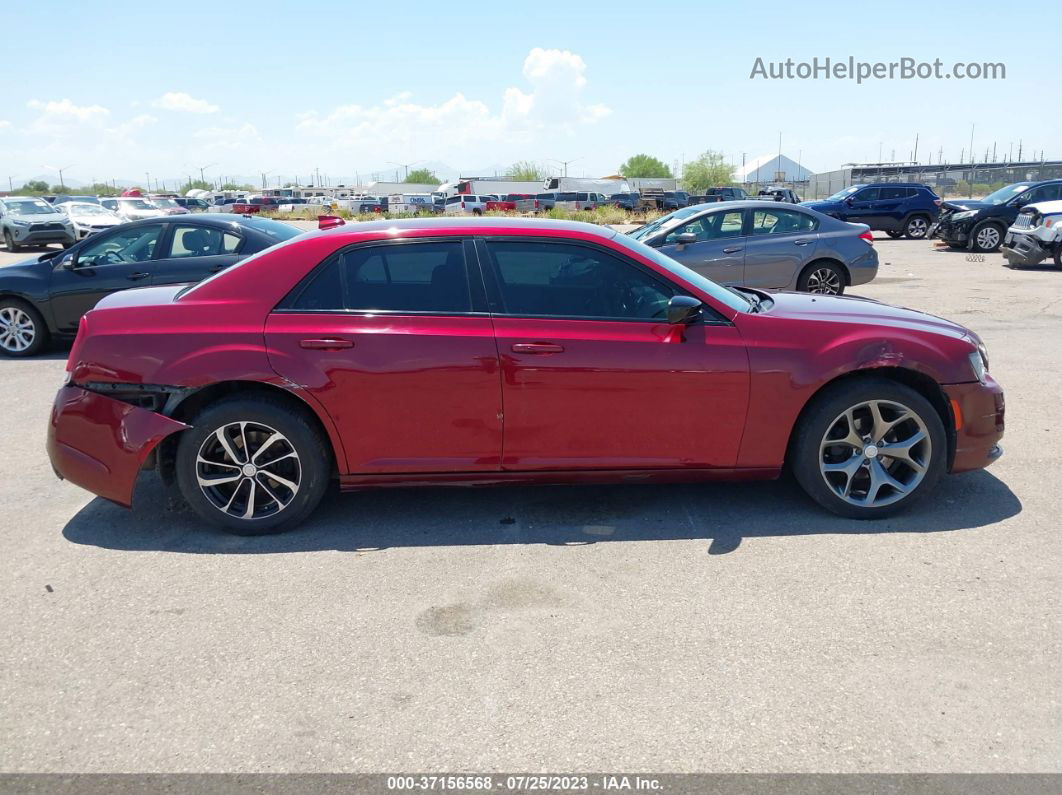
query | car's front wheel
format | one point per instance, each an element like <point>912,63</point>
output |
<point>253,465</point>
<point>986,238</point>
<point>825,278</point>
<point>9,241</point>
<point>22,329</point>
<point>868,447</point>
<point>916,227</point>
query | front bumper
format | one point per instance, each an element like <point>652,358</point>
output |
<point>955,232</point>
<point>1022,249</point>
<point>31,237</point>
<point>100,443</point>
<point>977,411</point>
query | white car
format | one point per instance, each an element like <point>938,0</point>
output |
<point>1035,235</point>
<point>89,218</point>
<point>132,208</point>
<point>465,203</point>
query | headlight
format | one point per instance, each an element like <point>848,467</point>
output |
<point>20,223</point>
<point>964,214</point>
<point>979,362</point>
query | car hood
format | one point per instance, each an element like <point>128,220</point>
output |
<point>818,205</point>
<point>961,204</point>
<point>35,268</point>
<point>95,220</point>
<point>38,218</point>
<point>861,311</point>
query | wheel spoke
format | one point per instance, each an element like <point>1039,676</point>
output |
<point>281,480</point>
<point>201,460</point>
<point>249,510</point>
<point>879,477</point>
<point>902,451</point>
<point>849,469</point>
<point>269,492</point>
<point>230,451</point>
<point>265,446</point>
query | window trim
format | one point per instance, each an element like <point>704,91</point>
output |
<point>752,221</point>
<point>496,304</point>
<point>285,305</point>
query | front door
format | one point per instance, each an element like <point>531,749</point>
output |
<point>719,251</point>
<point>861,207</point>
<point>193,252</point>
<point>105,263</point>
<point>391,340</point>
<point>780,243</point>
<point>592,378</point>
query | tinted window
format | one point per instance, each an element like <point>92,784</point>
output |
<point>135,244</point>
<point>562,280</point>
<point>1044,193</point>
<point>866,195</point>
<point>413,277</point>
<point>566,197</point>
<point>895,193</point>
<point>781,222</point>
<point>203,241</point>
<point>714,226</point>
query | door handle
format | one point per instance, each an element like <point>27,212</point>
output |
<point>537,347</point>
<point>801,242</point>
<point>327,344</point>
<point>135,277</point>
<point>733,250</point>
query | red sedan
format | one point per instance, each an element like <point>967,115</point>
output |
<point>455,351</point>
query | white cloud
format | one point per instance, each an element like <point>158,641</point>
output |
<point>181,102</point>
<point>217,138</point>
<point>58,117</point>
<point>556,81</point>
<point>5,124</point>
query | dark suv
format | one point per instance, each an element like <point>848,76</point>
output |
<point>981,225</point>
<point>898,208</point>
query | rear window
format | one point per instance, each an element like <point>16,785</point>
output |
<point>567,197</point>
<point>276,230</point>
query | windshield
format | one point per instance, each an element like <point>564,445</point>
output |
<point>165,203</point>
<point>87,209</point>
<point>842,193</point>
<point>29,207</point>
<point>1006,194</point>
<point>642,232</point>
<point>734,300</point>
<point>137,204</point>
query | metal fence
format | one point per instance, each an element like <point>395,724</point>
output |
<point>947,180</point>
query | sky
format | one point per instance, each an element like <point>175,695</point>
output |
<point>117,90</point>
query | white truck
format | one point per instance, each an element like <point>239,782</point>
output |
<point>1035,235</point>
<point>416,203</point>
<point>606,187</point>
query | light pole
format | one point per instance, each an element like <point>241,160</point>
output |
<point>62,185</point>
<point>202,169</point>
<point>564,162</point>
<point>405,165</point>
<point>264,175</point>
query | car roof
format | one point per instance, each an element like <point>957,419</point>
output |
<point>471,225</point>
<point>221,220</point>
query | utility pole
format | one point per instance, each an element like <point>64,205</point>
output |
<point>993,151</point>
<point>972,126</point>
<point>565,163</point>
<point>1019,150</point>
<point>915,157</point>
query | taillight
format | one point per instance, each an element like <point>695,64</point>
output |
<point>462,205</point>
<point>79,343</point>
<point>937,202</point>
<point>867,236</point>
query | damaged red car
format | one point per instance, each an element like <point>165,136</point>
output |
<point>460,351</point>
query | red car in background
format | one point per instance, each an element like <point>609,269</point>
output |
<point>458,351</point>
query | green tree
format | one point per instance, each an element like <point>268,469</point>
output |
<point>422,176</point>
<point>644,166</point>
<point>234,186</point>
<point>526,171</point>
<point>707,171</point>
<point>34,186</point>
<point>195,184</point>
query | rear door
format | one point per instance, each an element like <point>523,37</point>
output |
<point>192,252</point>
<point>106,263</point>
<point>394,340</point>
<point>780,242</point>
<point>719,252</point>
<point>891,207</point>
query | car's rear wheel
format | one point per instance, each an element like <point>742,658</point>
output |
<point>253,465</point>
<point>824,278</point>
<point>22,329</point>
<point>9,241</point>
<point>986,238</point>
<point>869,447</point>
<point>916,227</point>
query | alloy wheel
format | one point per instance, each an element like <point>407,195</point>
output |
<point>17,329</point>
<point>987,238</point>
<point>875,453</point>
<point>248,470</point>
<point>824,281</point>
<point>917,227</point>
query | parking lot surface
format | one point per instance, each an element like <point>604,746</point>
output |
<point>713,627</point>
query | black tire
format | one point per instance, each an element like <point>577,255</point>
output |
<point>477,211</point>
<point>827,408</point>
<point>314,464</point>
<point>820,275</point>
<point>1058,254</point>
<point>39,330</point>
<point>894,235</point>
<point>9,241</point>
<point>986,238</point>
<point>916,227</point>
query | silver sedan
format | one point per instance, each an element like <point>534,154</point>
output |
<point>766,245</point>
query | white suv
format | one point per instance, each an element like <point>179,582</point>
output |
<point>464,204</point>
<point>1035,235</point>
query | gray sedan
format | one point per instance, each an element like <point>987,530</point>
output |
<point>762,244</point>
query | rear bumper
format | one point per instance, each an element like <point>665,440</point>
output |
<point>864,268</point>
<point>100,444</point>
<point>978,414</point>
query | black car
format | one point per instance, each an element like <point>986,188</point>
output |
<point>625,201</point>
<point>675,200</point>
<point>192,204</point>
<point>46,297</point>
<point>981,225</point>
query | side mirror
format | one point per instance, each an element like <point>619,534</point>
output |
<point>686,238</point>
<point>682,310</point>
<point>849,201</point>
